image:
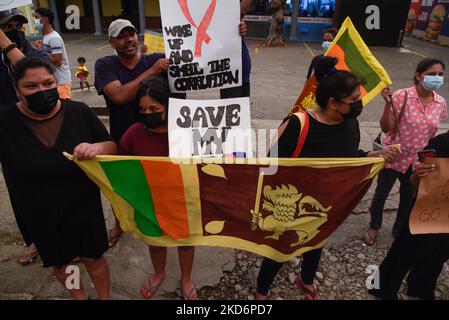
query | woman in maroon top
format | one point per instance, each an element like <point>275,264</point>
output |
<point>149,137</point>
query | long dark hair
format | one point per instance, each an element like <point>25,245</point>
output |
<point>332,83</point>
<point>426,64</point>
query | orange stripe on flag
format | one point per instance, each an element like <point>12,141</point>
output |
<point>167,192</point>
<point>338,52</point>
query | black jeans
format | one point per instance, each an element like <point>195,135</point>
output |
<point>385,182</point>
<point>270,268</point>
<point>237,92</point>
<point>424,255</point>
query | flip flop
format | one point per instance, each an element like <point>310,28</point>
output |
<point>28,257</point>
<point>368,239</point>
<point>113,240</point>
<point>312,293</point>
<point>147,290</point>
<point>191,295</point>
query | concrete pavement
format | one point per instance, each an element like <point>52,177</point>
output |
<point>278,74</point>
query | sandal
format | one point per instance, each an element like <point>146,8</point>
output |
<point>114,239</point>
<point>191,295</point>
<point>368,238</point>
<point>301,286</point>
<point>29,256</point>
<point>147,290</point>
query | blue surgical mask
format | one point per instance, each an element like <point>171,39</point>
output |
<point>39,25</point>
<point>432,83</point>
<point>326,45</point>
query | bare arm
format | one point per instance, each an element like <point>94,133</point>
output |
<point>244,6</point>
<point>56,59</point>
<point>88,151</point>
<point>15,54</point>
<point>123,93</point>
<point>421,170</point>
<point>387,120</point>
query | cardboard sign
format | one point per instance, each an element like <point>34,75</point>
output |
<point>203,44</point>
<point>209,128</point>
<point>154,41</point>
<point>9,4</point>
<point>431,211</point>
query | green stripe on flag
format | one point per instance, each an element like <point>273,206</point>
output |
<point>356,63</point>
<point>128,180</point>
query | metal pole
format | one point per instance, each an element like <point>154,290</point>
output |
<point>142,16</point>
<point>294,25</point>
<point>97,18</point>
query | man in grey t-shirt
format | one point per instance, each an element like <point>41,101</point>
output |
<point>53,44</point>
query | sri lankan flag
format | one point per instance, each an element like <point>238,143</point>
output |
<point>278,208</point>
<point>353,55</point>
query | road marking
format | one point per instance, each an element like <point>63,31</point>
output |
<point>256,51</point>
<point>312,53</point>
<point>101,48</point>
<point>77,41</point>
<point>403,50</point>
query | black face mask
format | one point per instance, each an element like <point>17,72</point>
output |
<point>355,109</point>
<point>16,36</point>
<point>43,102</point>
<point>151,120</point>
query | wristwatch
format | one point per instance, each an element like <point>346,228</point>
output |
<point>9,48</point>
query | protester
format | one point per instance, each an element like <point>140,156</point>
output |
<point>333,133</point>
<point>118,77</point>
<point>82,73</point>
<point>54,202</point>
<point>422,256</point>
<point>329,35</point>
<point>149,137</point>
<point>245,89</point>
<point>11,23</point>
<point>411,117</point>
<point>53,44</point>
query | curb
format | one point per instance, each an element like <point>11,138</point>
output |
<point>428,40</point>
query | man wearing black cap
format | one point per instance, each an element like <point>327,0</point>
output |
<point>11,23</point>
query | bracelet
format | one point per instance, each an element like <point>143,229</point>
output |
<point>9,48</point>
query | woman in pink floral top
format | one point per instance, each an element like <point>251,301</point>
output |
<point>412,128</point>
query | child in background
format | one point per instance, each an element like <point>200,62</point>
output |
<point>82,73</point>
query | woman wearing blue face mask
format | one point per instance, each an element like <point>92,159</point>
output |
<point>411,118</point>
<point>329,35</point>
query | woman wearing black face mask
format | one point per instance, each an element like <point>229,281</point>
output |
<point>149,137</point>
<point>12,33</point>
<point>54,202</point>
<point>333,132</point>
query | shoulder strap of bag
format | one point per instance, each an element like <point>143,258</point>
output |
<point>304,121</point>
<point>401,113</point>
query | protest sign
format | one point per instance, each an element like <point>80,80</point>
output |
<point>203,44</point>
<point>9,4</point>
<point>431,211</point>
<point>209,128</point>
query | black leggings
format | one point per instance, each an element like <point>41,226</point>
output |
<point>270,269</point>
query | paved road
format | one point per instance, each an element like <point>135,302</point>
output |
<point>278,73</point>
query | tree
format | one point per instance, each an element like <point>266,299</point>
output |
<point>276,9</point>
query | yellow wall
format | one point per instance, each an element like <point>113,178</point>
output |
<point>44,3</point>
<point>152,8</point>
<point>30,18</point>
<point>78,3</point>
<point>111,7</point>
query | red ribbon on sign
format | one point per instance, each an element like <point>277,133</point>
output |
<point>201,35</point>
